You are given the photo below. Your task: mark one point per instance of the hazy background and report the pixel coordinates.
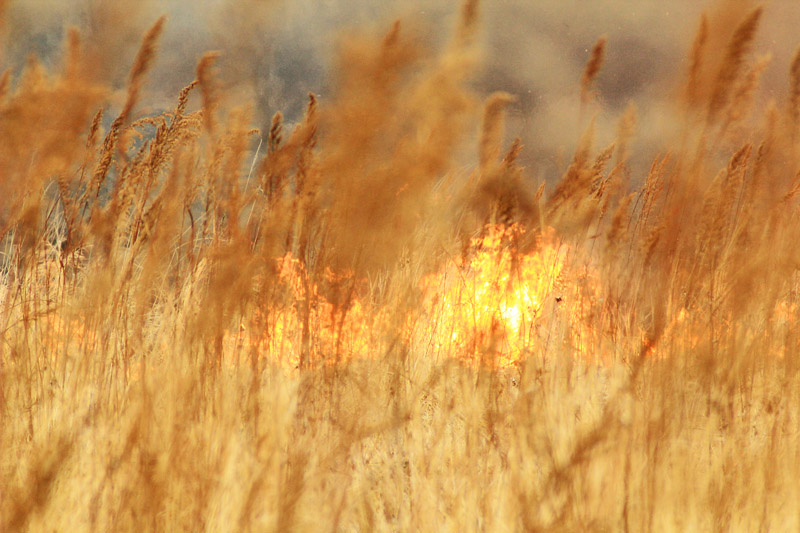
(274, 52)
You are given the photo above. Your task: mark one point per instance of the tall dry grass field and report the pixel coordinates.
(375, 319)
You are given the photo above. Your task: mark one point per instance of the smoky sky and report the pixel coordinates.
(274, 52)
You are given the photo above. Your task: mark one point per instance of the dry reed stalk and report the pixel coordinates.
(742, 99)
(653, 187)
(752, 198)
(626, 129)
(598, 168)
(190, 192)
(682, 338)
(103, 165)
(738, 48)
(305, 155)
(73, 205)
(118, 216)
(593, 66)
(393, 125)
(235, 158)
(510, 159)
(275, 137)
(72, 69)
(210, 186)
(737, 170)
(794, 191)
(275, 225)
(651, 243)
(274, 175)
(537, 198)
(576, 179)
(618, 227)
(794, 95)
(94, 130)
(38, 487)
(696, 62)
(390, 40)
(764, 162)
(139, 70)
(206, 79)
(492, 129)
(306, 187)
(155, 156)
(141, 66)
(5, 83)
(183, 101)
(282, 155)
(467, 23)
(608, 189)
(159, 225)
(720, 207)
(503, 197)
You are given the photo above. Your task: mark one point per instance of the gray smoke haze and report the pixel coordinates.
(274, 52)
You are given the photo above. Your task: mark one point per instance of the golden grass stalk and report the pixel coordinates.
(625, 132)
(696, 56)
(5, 81)
(619, 224)
(592, 69)
(314, 353)
(275, 132)
(141, 65)
(205, 78)
(742, 98)
(794, 94)
(493, 129)
(467, 22)
(737, 50)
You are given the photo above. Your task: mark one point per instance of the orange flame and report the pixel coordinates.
(484, 309)
(479, 310)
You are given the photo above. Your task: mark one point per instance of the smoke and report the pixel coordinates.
(274, 53)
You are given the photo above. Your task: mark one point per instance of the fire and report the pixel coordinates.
(492, 307)
(481, 309)
(306, 322)
(485, 308)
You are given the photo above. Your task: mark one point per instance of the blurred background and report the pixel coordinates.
(274, 52)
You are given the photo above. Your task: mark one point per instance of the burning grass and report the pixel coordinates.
(348, 324)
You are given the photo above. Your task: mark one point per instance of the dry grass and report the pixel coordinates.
(349, 324)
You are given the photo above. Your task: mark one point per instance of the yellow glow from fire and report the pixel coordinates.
(480, 309)
(484, 308)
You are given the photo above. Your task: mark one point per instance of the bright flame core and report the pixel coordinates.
(485, 308)
(481, 309)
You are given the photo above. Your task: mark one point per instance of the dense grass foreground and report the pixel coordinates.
(349, 324)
